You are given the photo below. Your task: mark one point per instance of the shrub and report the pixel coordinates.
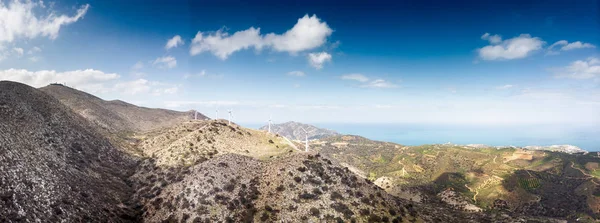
(315, 212)
(343, 209)
(297, 179)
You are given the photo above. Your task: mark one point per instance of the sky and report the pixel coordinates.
(417, 62)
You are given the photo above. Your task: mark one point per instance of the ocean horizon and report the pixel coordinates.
(585, 137)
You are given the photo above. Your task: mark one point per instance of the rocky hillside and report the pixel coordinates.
(54, 166)
(192, 142)
(293, 131)
(539, 183)
(298, 187)
(116, 116)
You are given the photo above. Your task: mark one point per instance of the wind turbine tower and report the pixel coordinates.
(270, 121)
(305, 139)
(195, 115)
(230, 115)
(216, 114)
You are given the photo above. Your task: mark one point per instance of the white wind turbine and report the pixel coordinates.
(195, 115)
(217, 114)
(230, 115)
(270, 121)
(305, 140)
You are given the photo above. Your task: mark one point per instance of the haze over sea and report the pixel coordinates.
(585, 137)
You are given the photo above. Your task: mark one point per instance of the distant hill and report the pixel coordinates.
(116, 116)
(54, 166)
(529, 182)
(292, 130)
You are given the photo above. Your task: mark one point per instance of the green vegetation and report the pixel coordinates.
(529, 183)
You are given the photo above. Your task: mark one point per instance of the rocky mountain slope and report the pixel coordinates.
(59, 165)
(539, 183)
(293, 131)
(54, 166)
(116, 116)
(194, 141)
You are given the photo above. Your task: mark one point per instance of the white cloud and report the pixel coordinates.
(175, 104)
(18, 51)
(33, 50)
(20, 19)
(308, 33)
(380, 83)
(34, 59)
(222, 45)
(514, 48)
(137, 66)
(355, 77)
(174, 42)
(565, 46)
(317, 60)
(504, 87)
(89, 80)
(142, 86)
(165, 62)
(296, 73)
(580, 69)
(494, 39)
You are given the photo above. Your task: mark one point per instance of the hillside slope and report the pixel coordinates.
(293, 131)
(54, 166)
(538, 183)
(194, 141)
(116, 116)
(300, 187)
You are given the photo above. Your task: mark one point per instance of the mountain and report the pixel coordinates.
(54, 166)
(293, 131)
(116, 116)
(528, 182)
(59, 161)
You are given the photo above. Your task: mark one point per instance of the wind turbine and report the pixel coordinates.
(217, 114)
(270, 121)
(195, 115)
(305, 140)
(230, 115)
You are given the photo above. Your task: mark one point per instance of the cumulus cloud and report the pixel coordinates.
(494, 39)
(137, 66)
(23, 19)
(580, 69)
(355, 77)
(514, 48)
(504, 87)
(176, 104)
(308, 33)
(143, 86)
(296, 73)
(317, 60)
(380, 83)
(18, 51)
(174, 42)
(34, 50)
(165, 62)
(563, 45)
(89, 80)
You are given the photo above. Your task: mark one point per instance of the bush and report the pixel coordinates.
(343, 209)
(315, 212)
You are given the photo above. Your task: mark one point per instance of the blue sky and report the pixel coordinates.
(315, 61)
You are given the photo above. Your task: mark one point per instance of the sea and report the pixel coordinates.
(585, 137)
